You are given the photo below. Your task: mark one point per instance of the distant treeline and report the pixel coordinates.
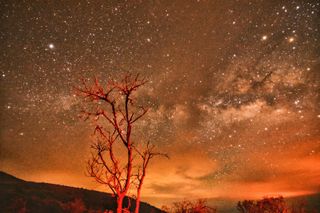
(265, 205)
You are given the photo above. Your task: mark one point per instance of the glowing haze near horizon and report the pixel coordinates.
(233, 91)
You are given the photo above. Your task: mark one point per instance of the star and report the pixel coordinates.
(291, 39)
(51, 46)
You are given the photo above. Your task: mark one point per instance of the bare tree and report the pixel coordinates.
(187, 206)
(146, 156)
(115, 112)
(268, 204)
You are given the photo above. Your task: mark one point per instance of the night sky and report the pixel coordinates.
(233, 91)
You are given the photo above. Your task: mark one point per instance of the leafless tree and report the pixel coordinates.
(146, 156)
(187, 206)
(268, 204)
(115, 112)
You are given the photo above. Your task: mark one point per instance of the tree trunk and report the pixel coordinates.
(137, 202)
(145, 164)
(119, 203)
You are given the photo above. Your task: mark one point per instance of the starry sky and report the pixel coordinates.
(233, 91)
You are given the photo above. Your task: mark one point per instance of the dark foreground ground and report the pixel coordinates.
(17, 195)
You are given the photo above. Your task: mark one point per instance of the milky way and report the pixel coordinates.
(233, 91)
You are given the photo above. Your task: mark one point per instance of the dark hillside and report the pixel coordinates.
(17, 195)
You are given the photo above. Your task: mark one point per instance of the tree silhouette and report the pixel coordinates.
(187, 206)
(115, 112)
(266, 205)
(273, 205)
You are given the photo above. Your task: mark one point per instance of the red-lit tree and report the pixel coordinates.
(115, 112)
